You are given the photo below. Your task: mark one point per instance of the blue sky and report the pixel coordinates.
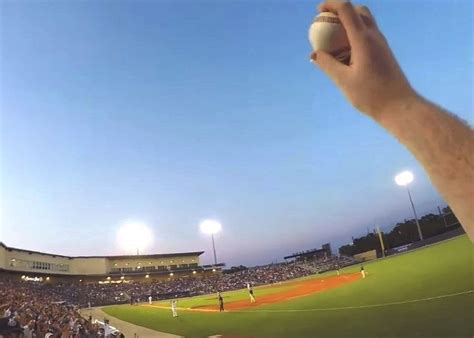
(174, 111)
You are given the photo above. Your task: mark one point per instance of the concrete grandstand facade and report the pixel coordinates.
(49, 267)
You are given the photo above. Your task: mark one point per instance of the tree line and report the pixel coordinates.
(404, 233)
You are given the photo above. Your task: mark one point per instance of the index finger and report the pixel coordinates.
(347, 14)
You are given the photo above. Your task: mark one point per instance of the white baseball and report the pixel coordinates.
(327, 33)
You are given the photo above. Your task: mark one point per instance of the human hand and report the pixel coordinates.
(373, 81)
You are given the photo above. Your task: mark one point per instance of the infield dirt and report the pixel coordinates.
(296, 289)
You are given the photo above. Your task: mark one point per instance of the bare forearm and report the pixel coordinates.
(375, 84)
(444, 145)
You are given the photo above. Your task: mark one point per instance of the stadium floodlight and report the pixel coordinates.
(403, 179)
(211, 227)
(134, 236)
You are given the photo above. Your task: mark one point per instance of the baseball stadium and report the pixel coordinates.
(236, 169)
(423, 291)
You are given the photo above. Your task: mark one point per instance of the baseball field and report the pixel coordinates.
(423, 293)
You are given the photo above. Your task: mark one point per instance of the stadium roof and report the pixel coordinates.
(192, 253)
(305, 253)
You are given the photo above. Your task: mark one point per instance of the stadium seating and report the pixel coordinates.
(54, 307)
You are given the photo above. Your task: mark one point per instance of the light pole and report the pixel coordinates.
(214, 249)
(404, 179)
(211, 227)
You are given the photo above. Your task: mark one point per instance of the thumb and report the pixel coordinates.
(329, 65)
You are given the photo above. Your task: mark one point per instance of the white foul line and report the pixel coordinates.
(364, 306)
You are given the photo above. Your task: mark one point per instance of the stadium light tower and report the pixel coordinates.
(211, 227)
(404, 179)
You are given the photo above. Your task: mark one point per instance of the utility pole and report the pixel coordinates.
(416, 216)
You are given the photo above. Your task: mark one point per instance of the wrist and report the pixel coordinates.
(397, 108)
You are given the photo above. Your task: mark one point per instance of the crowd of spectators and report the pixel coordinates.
(100, 294)
(29, 310)
(36, 309)
(329, 263)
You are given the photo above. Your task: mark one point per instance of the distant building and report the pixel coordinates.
(312, 254)
(327, 247)
(46, 267)
(308, 256)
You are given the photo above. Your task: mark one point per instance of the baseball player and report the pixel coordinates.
(362, 272)
(221, 302)
(173, 308)
(252, 297)
(150, 298)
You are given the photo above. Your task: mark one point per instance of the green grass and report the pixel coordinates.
(441, 269)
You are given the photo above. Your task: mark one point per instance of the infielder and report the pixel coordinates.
(362, 272)
(252, 297)
(221, 302)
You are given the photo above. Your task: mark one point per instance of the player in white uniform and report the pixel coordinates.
(173, 308)
(150, 298)
(252, 297)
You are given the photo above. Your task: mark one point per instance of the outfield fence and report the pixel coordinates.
(425, 242)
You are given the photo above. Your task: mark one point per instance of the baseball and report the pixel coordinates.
(327, 33)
